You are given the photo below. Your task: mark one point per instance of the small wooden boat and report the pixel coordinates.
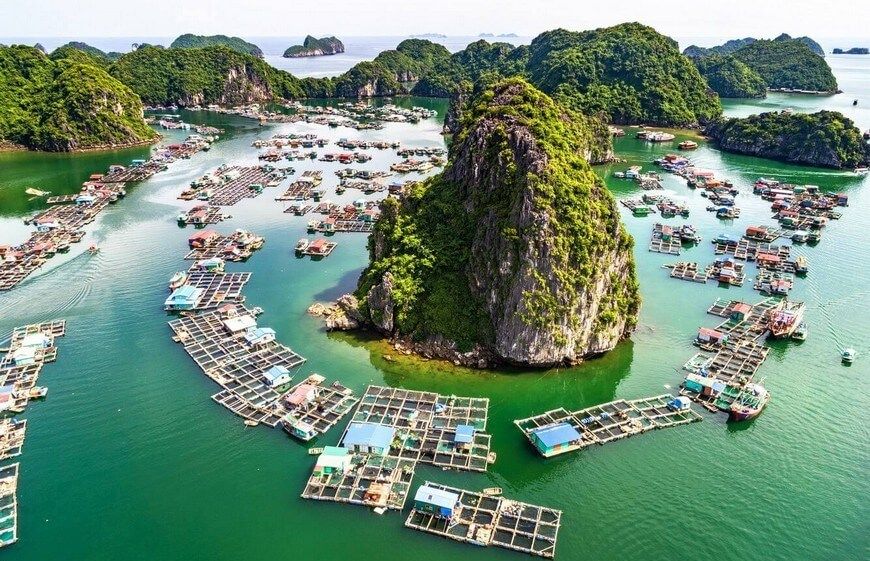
(36, 192)
(93, 249)
(302, 245)
(492, 491)
(251, 423)
(800, 334)
(379, 509)
(315, 451)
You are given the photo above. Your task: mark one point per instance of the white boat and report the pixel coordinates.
(251, 423)
(800, 334)
(302, 245)
(177, 280)
(862, 171)
(848, 355)
(379, 509)
(492, 491)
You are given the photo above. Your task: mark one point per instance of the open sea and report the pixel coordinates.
(129, 459)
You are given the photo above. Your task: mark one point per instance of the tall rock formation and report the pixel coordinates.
(515, 253)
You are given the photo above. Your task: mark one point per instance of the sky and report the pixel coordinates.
(293, 18)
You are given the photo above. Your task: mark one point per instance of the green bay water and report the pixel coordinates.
(128, 458)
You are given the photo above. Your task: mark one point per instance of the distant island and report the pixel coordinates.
(728, 47)
(313, 46)
(430, 36)
(487, 35)
(190, 41)
(853, 51)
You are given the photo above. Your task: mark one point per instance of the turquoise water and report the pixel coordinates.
(128, 458)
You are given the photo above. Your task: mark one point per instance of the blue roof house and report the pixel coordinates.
(556, 439)
(276, 376)
(183, 298)
(368, 438)
(437, 502)
(463, 437)
(259, 336)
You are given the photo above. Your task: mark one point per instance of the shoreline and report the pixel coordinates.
(12, 147)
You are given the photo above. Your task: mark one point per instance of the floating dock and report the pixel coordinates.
(228, 185)
(559, 431)
(485, 520)
(390, 432)
(201, 215)
(665, 239)
(12, 432)
(30, 348)
(687, 271)
(217, 288)
(747, 321)
(8, 505)
(237, 246)
(216, 340)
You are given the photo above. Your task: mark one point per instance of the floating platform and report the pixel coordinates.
(234, 363)
(734, 362)
(202, 215)
(601, 424)
(423, 427)
(229, 185)
(8, 504)
(747, 321)
(217, 288)
(237, 246)
(486, 520)
(30, 348)
(12, 433)
(687, 271)
(665, 239)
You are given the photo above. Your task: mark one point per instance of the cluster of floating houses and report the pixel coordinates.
(228, 185)
(62, 223)
(29, 348)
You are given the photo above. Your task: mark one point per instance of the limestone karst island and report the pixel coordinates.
(391, 280)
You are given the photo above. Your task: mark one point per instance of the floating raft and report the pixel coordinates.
(30, 348)
(12, 433)
(665, 239)
(8, 504)
(735, 361)
(687, 271)
(218, 288)
(202, 215)
(422, 427)
(748, 321)
(486, 520)
(237, 246)
(601, 424)
(229, 185)
(232, 362)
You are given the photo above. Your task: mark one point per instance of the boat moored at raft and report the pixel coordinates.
(750, 403)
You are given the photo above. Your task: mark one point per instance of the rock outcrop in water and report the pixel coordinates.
(313, 46)
(514, 254)
(824, 139)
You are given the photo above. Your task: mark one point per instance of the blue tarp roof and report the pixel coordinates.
(464, 434)
(369, 435)
(275, 372)
(437, 497)
(186, 291)
(562, 433)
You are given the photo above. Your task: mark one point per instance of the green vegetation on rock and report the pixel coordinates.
(517, 241)
(65, 104)
(205, 75)
(729, 77)
(88, 49)
(825, 139)
(190, 41)
(728, 47)
(788, 64)
(313, 46)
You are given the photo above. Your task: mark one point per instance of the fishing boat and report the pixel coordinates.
(782, 322)
(688, 234)
(37, 392)
(799, 236)
(177, 280)
(379, 509)
(800, 334)
(302, 245)
(801, 265)
(93, 249)
(36, 192)
(251, 423)
(848, 355)
(492, 491)
(862, 170)
(749, 403)
(317, 450)
(687, 145)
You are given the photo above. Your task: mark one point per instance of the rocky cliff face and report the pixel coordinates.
(312, 46)
(824, 139)
(515, 253)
